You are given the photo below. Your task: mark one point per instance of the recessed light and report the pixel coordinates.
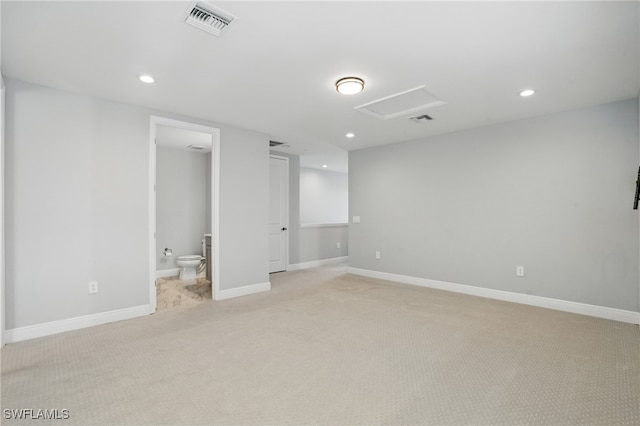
(350, 85)
(350, 135)
(146, 79)
(527, 92)
(324, 166)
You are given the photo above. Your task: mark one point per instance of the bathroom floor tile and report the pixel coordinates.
(172, 292)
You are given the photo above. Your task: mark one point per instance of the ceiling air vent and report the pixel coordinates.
(208, 17)
(194, 147)
(401, 104)
(274, 144)
(421, 118)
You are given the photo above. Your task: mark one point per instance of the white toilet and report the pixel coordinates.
(189, 265)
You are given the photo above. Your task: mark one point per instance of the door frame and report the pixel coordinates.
(215, 201)
(286, 208)
(2, 207)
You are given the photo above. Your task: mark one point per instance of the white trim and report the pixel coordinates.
(164, 273)
(314, 263)
(54, 327)
(215, 199)
(2, 207)
(525, 299)
(243, 291)
(215, 212)
(322, 225)
(152, 215)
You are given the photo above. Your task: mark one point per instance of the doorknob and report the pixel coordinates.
(284, 229)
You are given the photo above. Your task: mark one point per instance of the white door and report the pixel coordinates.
(278, 213)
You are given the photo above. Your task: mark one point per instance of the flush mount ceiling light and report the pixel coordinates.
(324, 166)
(350, 85)
(527, 92)
(147, 79)
(350, 135)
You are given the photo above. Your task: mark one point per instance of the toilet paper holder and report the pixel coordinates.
(167, 252)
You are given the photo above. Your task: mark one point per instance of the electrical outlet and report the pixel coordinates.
(377, 255)
(356, 219)
(93, 287)
(520, 271)
(338, 244)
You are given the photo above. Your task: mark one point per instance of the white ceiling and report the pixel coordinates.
(274, 70)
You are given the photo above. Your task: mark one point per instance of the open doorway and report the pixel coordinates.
(278, 213)
(168, 134)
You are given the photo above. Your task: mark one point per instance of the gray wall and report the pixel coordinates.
(324, 196)
(181, 203)
(319, 242)
(307, 244)
(553, 194)
(77, 204)
(244, 208)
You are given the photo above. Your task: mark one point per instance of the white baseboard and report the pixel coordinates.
(164, 273)
(525, 299)
(54, 327)
(242, 291)
(314, 263)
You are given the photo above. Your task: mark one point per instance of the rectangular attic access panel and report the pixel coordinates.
(401, 104)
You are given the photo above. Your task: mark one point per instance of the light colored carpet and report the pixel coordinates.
(325, 347)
